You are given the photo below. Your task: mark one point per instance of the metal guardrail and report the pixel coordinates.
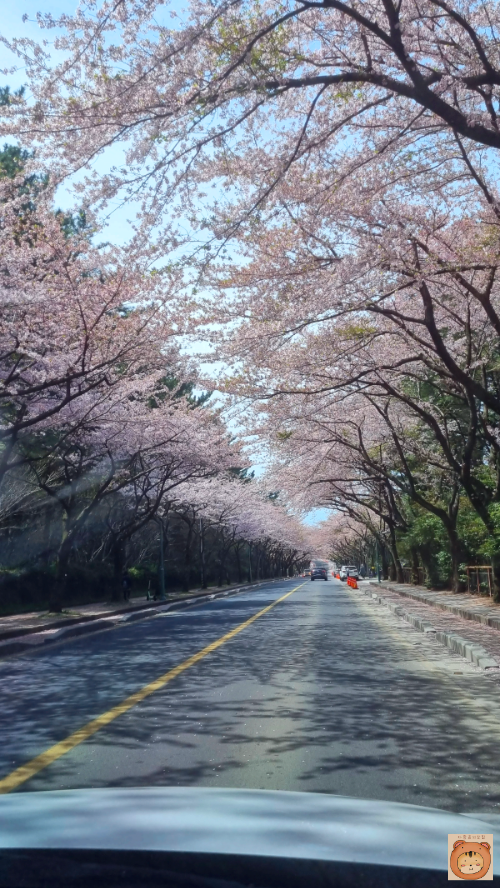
(480, 579)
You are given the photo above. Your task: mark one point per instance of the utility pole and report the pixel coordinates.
(249, 562)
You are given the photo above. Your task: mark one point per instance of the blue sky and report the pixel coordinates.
(315, 516)
(12, 25)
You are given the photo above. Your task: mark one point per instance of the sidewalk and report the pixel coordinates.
(468, 625)
(22, 632)
(24, 624)
(480, 609)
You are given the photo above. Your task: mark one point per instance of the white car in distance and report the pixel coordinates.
(349, 570)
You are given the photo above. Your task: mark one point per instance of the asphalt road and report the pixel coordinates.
(324, 692)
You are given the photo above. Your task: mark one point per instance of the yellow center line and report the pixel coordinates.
(25, 772)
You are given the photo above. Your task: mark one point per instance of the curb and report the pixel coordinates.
(474, 617)
(72, 621)
(41, 638)
(475, 653)
(76, 621)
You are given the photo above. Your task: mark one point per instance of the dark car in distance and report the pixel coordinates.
(319, 573)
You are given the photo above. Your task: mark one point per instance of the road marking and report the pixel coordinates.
(25, 772)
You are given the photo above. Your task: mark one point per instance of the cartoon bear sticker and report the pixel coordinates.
(470, 860)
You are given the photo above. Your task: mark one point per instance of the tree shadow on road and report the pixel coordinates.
(293, 705)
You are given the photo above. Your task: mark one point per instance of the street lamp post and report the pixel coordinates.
(378, 559)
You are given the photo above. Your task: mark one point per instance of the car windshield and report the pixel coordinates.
(250, 399)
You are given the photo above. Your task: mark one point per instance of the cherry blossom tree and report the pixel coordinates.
(354, 154)
(369, 455)
(128, 463)
(345, 540)
(95, 395)
(242, 513)
(80, 328)
(296, 81)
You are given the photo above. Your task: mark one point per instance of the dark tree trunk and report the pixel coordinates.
(395, 568)
(385, 567)
(400, 577)
(430, 569)
(47, 536)
(186, 579)
(495, 565)
(203, 572)
(456, 583)
(238, 563)
(60, 586)
(414, 566)
(222, 568)
(118, 568)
